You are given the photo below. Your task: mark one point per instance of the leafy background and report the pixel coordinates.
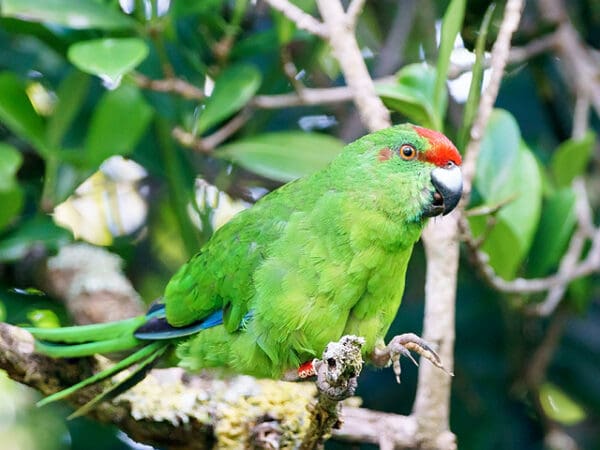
(75, 90)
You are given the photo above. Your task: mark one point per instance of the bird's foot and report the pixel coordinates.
(402, 345)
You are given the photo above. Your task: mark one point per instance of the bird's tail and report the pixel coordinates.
(87, 340)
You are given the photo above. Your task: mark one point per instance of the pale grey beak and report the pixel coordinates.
(447, 182)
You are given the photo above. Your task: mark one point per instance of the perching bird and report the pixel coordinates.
(321, 257)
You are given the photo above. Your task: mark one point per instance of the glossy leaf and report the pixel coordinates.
(109, 58)
(559, 406)
(283, 156)
(508, 171)
(412, 95)
(80, 14)
(71, 94)
(451, 25)
(571, 158)
(498, 156)
(233, 89)
(18, 114)
(556, 226)
(119, 121)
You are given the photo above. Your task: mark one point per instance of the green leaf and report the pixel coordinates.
(498, 156)
(18, 114)
(283, 156)
(80, 14)
(507, 170)
(556, 226)
(43, 318)
(35, 232)
(412, 95)
(451, 25)
(12, 204)
(109, 58)
(559, 406)
(521, 216)
(119, 121)
(571, 158)
(233, 89)
(182, 8)
(10, 161)
(11, 194)
(71, 94)
(477, 78)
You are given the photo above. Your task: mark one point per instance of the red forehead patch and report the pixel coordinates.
(442, 150)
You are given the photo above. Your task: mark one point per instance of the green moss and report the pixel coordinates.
(232, 406)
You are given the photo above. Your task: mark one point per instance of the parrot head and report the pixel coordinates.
(411, 166)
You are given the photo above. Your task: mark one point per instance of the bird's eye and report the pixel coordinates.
(407, 152)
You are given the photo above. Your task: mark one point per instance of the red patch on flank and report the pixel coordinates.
(384, 154)
(306, 370)
(442, 150)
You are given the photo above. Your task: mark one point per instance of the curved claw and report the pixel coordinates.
(402, 345)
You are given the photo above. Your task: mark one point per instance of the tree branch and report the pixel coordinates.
(91, 283)
(337, 375)
(345, 48)
(432, 404)
(172, 409)
(441, 237)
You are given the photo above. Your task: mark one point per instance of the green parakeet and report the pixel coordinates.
(319, 258)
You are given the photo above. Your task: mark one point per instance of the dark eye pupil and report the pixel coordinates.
(407, 151)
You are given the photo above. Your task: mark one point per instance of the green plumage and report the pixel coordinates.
(321, 257)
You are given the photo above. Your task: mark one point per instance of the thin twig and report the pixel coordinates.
(540, 359)
(309, 97)
(169, 85)
(591, 264)
(517, 55)
(569, 262)
(291, 71)
(212, 141)
(209, 143)
(499, 58)
(533, 48)
(581, 113)
(353, 12)
(302, 20)
(577, 60)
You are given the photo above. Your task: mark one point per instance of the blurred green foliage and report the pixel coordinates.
(72, 95)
